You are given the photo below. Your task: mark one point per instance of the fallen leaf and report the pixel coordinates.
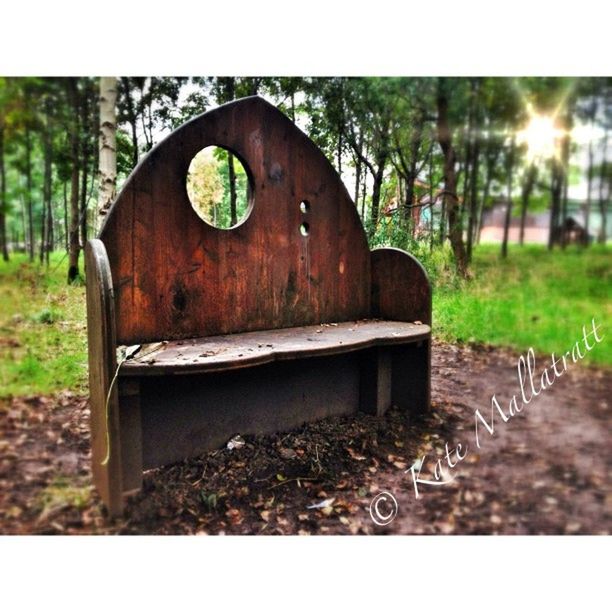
(326, 503)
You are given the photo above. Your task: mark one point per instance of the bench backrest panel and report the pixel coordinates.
(175, 276)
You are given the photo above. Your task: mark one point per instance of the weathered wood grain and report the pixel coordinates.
(101, 340)
(176, 277)
(234, 351)
(400, 287)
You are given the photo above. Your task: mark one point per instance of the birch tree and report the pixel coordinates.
(107, 169)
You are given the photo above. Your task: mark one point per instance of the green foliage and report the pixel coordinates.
(47, 315)
(43, 343)
(534, 298)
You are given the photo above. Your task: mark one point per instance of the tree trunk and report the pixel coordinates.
(132, 118)
(491, 160)
(339, 153)
(3, 237)
(28, 195)
(363, 197)
(431, 204)
(564, 211)
(85, 158)
(50, 233)
(358, 165)
(530, 179)
(587, 212)
(455, 231)
(603, 199)
(73, 240)
(66, 242)
(409, 201)
(47, 184)
(565, 159)
(107, 160)
(83, 196)
(374, 211)
(232, 186)
(474, 160)
(510, 172)
(556, 186)
(466, 184)
(473, 203)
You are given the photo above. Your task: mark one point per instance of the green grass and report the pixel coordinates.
(534, 298)
(43, 346)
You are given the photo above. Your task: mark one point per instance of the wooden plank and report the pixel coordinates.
(400, 287)
(376, 379)
(178, 277)
(131, 435)
(102, 366)
(198, 413)
(220, 353)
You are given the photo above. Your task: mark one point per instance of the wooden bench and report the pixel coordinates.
(254, 329)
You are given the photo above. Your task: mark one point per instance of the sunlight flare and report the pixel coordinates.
(541, 137)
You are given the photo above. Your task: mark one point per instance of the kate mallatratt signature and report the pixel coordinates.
(383, 508)
(531, 385)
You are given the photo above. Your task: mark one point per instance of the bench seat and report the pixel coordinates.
(242, 350)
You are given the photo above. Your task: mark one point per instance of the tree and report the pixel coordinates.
(412, 138)
(510, 164)
(451, 200)
(364, 109)
(108, 144)
(6, 101)
(529, 182)
(73, 238)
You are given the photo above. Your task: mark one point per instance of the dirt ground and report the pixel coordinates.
(546, 471)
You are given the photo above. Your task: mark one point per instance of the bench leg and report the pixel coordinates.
(376, 374)
(411, 377)
(107, 477)
(131, 437)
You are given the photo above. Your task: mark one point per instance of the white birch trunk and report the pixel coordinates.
(107, 169)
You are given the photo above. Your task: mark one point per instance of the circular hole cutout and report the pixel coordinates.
(304, 229)
(210, 177)
(304, 206)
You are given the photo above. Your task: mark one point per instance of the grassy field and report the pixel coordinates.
(43, 336)
(534, 298)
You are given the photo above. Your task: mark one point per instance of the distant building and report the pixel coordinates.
(537, 224)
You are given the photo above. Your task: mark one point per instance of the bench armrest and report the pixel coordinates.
(101, 338)
(400, 287)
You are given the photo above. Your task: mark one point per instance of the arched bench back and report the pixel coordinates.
(175, 276)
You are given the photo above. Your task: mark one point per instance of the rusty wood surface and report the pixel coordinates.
(400, 287)
(176, 277)
(229, 352)
(102, 366)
